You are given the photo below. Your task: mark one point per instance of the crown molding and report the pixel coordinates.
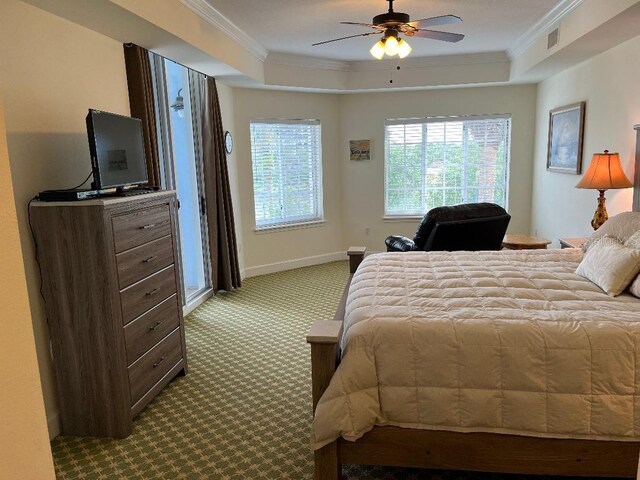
(291, 60)
(542, 26)
(217, 20)
(280, 58)
(425, 62)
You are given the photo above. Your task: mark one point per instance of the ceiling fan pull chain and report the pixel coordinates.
(397, 68)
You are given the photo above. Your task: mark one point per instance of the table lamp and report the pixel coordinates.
(604, 173)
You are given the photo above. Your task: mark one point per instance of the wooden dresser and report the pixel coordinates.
(113, 304)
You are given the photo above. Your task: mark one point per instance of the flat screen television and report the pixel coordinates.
(117, 150)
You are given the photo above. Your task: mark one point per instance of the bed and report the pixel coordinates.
(531, 369)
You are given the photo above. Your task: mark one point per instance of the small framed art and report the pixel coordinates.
(566, 132)
(360, 149)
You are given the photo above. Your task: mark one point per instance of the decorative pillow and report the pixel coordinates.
(621, 226)
(634, 242)
(610, 265)
(634, 288)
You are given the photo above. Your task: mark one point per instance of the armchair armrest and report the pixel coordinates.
(398, 243)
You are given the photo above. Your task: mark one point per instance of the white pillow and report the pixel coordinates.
(634, 288)
(610, 265)
(621, 226)
(634, 242)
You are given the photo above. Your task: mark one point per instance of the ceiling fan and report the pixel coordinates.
(392, 24)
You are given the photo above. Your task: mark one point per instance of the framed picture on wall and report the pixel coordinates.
(566, 131)
(360, 150)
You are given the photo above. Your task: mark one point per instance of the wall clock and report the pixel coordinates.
(228, 142)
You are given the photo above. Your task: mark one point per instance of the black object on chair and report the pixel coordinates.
(470, 226)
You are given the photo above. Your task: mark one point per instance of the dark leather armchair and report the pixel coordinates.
(470, 226)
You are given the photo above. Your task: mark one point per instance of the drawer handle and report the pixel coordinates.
(150, 259)
(152, 225)
(159, 362)
(148, 294)
(153, 327)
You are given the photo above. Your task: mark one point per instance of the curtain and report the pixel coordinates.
(141, 101)
(225, 269)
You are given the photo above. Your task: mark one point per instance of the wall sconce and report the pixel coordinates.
(178, 105)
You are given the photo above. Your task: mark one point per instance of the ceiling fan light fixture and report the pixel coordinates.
(378, 50)
(404, 48)
(393, 24)
(391, 46)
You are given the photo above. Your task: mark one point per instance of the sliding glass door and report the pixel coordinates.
(178, 100)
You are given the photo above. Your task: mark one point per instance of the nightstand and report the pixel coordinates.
(524, 242)
(576, 242)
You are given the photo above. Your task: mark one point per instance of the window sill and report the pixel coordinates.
(402, 218)
(290, 226)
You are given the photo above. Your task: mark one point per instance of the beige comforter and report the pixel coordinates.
(509, 342)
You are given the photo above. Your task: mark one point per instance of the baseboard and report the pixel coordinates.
(53, 424)
(291, 264)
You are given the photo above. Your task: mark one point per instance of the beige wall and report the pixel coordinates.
(363, 116)
(354, 191)
(608, 83)
(280, 246)
(24, 446)
(57, 70)
(53, 71)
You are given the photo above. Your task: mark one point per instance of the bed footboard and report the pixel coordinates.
(324, 337)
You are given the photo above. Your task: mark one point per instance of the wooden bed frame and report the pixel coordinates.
(484, 452)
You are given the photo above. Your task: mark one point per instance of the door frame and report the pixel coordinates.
(167, 167)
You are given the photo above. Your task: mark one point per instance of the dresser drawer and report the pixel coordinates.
(142, 226)
(142, 261)
(141, 296)
(154, 364)
(145, 331)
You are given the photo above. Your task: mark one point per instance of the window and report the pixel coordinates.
(287, 179)
(435, 162)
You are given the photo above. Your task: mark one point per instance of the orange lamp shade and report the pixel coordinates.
(605, 172)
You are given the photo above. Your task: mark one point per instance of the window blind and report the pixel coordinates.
(445, 161)
(287, 178)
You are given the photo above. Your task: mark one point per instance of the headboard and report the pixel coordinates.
(636, 183)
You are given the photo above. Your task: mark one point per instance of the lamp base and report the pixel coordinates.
(600, 216)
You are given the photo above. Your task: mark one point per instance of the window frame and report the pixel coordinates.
(440, 119)
(319, 218)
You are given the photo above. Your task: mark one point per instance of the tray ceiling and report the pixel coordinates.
(291, 26)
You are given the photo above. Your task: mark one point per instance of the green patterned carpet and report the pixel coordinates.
(244, 409)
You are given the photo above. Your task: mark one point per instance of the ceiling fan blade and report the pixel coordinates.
(436, 35)
(344, 38)
(370, 25)
(433, 21)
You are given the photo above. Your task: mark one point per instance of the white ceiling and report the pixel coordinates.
(291, 26)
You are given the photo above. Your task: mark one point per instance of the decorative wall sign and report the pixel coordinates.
(566, 130)
(360, 149)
